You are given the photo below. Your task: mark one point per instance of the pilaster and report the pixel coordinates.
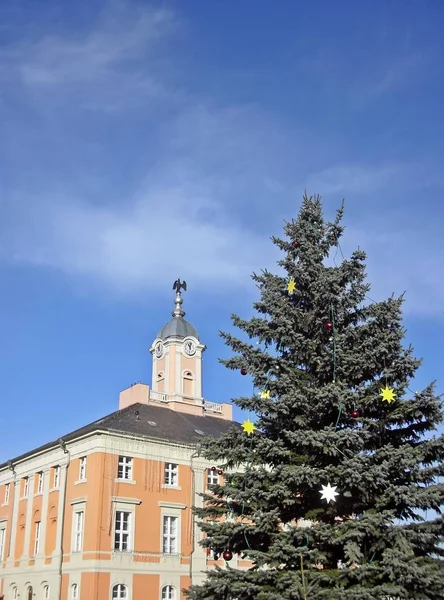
(61, 509)
(198, 375)
(46, 485)
(167, 369)
(178, 368)
(14, 522)
(29, 523)
(199, 558)
(154, 386)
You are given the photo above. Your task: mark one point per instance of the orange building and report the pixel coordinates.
(104, 513)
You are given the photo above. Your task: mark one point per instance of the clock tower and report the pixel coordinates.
(177, 358)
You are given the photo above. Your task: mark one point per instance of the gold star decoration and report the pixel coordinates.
(265, 395)
(248, 427)
(388, 394)
(291, 286)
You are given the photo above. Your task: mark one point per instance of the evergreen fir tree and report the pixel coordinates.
(335, 409)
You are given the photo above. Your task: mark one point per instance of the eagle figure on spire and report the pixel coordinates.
(179, 285)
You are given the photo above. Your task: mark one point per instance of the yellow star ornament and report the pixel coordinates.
(388, 394)
(265, 395)
(248, 427)
(291, 286)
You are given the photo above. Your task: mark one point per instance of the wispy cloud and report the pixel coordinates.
(164, 231)
(213, 180)
(361, 78)
(391, 76)
(355, 178)
(401, 260)
(109, 67)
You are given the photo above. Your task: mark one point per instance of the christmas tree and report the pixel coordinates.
(326, 492)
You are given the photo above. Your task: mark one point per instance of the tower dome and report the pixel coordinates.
(178, 326)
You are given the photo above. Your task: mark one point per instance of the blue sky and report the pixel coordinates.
(145, 140)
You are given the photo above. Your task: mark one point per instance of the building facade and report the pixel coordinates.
(105, 511)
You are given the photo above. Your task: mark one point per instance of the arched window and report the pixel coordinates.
(29, 593)
(188, 383)
(161, 382)
(120, 592)
(46, 592)
(14, 592)
(168, 593)
(74, 592)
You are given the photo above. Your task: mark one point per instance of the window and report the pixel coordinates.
(37, 537)
(74, 592)
(188, 384)
(168, 593)
(122, 531)
(2, 542)
(125, 468)
(56, 477)
(170, 535)
(171, 474)
(25, 487)
(78, 531)
(120, 592)
(82, 469)
(39, 483)
(14, 593)
(7, 492)
(212, 477)
(46, 592)
(30, 592)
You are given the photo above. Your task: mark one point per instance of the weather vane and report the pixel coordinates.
(179, 285)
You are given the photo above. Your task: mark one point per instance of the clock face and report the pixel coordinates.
(189, 347)
(158, 349)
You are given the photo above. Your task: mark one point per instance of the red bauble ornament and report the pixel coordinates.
(228, 555)
(220, 472)
(328, 326)
(244, 371)
(213, 469)
(355, 414)
(216, 556)
(296, 244)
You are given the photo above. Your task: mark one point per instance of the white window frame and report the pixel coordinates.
(7, 493)
(129, 531)
(74, 591)
(168, 592)
(78, 529)
(171, 475)
(38, 531)
(167, 534)
(56, 477)
(2, 540)
(126, 464)
(14, 592)
(82, 469)
(212, 477)
(46, 592)
(26, 487)
(122, 592)
(40, 482)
